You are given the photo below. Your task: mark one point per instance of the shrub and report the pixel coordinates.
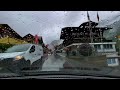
(74, 53)
(85, 49)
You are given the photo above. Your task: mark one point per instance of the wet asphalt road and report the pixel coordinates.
(58, 62)
(53, 63)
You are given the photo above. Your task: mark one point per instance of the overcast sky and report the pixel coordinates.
(48, 24)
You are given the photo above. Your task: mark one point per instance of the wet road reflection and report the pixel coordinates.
(58, 62)
(53, 63)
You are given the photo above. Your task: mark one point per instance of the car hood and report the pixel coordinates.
(10, 55)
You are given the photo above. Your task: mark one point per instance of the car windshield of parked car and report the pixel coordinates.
(18, 48)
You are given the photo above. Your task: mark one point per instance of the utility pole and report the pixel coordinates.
(101, 33)
(90, 29)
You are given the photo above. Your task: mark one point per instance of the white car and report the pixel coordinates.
(22, 56)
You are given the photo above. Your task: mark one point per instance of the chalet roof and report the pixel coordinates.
(89, 22)
(4, 25)
(82, 31)
(28, 35)
(6, 28)
(31, 37)
(84, 26)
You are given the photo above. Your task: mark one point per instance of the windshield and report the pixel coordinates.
(67, 42)
(18, 48)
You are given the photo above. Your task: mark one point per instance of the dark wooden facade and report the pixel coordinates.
(83, 33)
(6, 30)
(29, 38)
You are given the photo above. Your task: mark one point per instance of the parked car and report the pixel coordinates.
(22, 56)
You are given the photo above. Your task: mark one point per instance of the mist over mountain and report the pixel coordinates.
(115, 25)
(112, 22)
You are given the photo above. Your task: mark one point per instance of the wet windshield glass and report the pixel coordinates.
(82, 42)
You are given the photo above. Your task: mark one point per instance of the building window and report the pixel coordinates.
(111, 61)
(97, 46)
(107, 46)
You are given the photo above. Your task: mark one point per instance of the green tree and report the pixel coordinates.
(85, 49)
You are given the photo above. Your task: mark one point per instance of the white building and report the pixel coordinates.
(108, 49)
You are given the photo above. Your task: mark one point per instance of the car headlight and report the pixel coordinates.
(18, 57)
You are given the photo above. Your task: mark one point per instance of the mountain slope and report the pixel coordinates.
(110, 34)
